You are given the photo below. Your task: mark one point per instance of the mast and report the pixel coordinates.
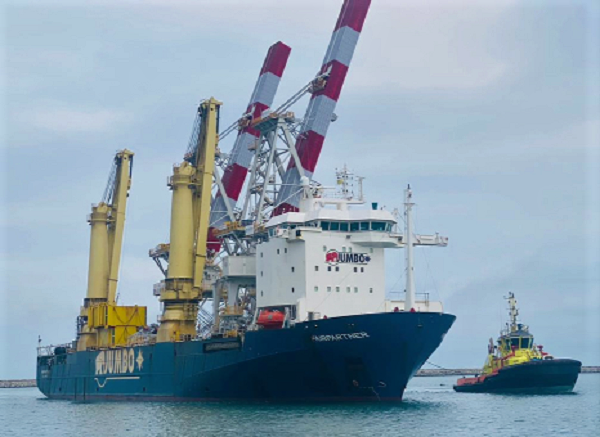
(513, 312)
(409, 244)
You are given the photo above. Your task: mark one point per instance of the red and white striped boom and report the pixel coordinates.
(240, 159)
(322, 103)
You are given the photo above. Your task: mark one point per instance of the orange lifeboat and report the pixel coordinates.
(270, 319)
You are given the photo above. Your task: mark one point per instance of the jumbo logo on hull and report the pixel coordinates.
(118, 361)
(333, 257)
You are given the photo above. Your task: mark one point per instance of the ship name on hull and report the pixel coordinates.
(340, 337)
(118, 361)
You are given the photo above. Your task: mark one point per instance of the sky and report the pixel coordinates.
(489, 109)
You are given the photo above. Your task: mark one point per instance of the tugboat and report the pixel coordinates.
(517, 365)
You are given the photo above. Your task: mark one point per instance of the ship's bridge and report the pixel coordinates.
(364, 227)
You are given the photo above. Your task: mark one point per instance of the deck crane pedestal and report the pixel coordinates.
(103, 323)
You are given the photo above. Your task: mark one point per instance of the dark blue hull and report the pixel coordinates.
(538, 376)
(363, 357)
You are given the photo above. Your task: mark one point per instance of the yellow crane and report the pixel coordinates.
(191, 184)
(102, 323)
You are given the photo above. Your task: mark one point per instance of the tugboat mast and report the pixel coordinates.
(410, 279)
(513, 311)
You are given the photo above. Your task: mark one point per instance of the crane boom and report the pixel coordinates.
(205, 168)
(116, 223)
(235, 173)
(319, 113)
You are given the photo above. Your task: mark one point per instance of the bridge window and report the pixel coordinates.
(344, 226)
(378, 226)
(526, 343)
(325, 226)
(335, 226)
(364, 226)
(354, 226)
(514, 342)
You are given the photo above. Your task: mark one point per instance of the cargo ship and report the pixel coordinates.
(274, 287)
(517, 365)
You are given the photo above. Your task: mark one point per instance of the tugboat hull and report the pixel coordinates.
(537, 376)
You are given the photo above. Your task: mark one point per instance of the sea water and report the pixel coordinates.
(431, 408)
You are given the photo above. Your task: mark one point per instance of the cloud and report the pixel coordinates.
(75, 121)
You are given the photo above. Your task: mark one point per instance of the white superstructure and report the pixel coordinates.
(328, 260)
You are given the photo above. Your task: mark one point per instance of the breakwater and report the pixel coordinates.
(17, 383)
(467, 372)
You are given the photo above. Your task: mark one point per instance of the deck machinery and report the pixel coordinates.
(103, 323)
(296, 277)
